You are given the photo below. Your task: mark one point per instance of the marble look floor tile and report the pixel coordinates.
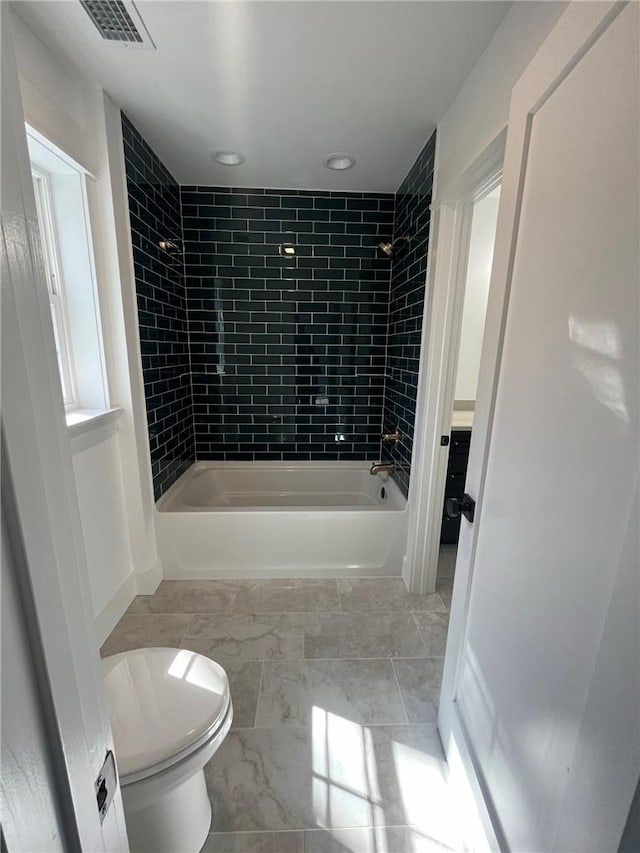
(420, 680)
(361, 635)
(178, 596)
(371, 839)
(137, 631)
(376, 776)
(433, 627)
(292, 595)
(333, 774)
(261, 780)
(255, 842)
(293, 693)
(367, 594)
(411, 773)
(244, 684)
(263, 637)
(444, 588)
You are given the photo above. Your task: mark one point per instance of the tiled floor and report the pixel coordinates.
(335, 687)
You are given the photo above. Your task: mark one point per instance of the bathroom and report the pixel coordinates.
(264, 240)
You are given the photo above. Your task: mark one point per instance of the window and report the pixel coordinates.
(55, 287)
(61, 188)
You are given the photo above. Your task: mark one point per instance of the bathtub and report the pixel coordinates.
(281, 519)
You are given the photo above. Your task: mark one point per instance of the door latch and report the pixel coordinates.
(106, 785)
(455, 507)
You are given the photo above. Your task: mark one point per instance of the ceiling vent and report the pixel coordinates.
(118, 22)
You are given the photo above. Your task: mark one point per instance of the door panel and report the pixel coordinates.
(27, 781)
(563, 468)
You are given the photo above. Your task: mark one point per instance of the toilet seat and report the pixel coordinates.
(164, 704)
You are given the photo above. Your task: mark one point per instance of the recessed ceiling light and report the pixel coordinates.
(228, 158)
(339, 162)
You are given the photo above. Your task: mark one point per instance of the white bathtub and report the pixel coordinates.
(281, 519)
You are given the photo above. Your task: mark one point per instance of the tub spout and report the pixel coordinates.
(382, 468)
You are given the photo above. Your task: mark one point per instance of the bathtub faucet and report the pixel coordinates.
(382, 468)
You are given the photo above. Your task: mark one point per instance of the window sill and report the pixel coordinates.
(88, 427)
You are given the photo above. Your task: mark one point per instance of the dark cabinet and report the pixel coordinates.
(454, 487)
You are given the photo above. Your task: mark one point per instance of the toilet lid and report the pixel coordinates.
(161, 701)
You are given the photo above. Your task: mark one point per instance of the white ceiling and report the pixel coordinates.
(285, 83)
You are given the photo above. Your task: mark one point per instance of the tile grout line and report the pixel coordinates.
(311, 829)
(420, 634)
(404, 704)
(350, 658)
(265, 613)
(186, 630)
(307, 727)
(255, 716)
(301, 832)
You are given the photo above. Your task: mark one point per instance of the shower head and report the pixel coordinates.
(388, 248)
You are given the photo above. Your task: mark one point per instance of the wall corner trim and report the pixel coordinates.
(147, 582)
(113, 611)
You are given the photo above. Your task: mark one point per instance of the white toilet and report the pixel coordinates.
(170, 710)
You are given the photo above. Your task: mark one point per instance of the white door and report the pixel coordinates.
(542, 674)
(55, 726)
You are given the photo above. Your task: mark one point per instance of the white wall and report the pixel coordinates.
(98, 474)
(113, 477)
(476, 294)
(481, 108)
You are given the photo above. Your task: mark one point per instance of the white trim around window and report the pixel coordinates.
(67, 248)
(55, 287)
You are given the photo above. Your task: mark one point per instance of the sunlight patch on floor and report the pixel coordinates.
(348, 800)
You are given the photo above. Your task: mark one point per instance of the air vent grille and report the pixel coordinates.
(114, 21)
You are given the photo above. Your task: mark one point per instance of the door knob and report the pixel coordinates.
(455, 507)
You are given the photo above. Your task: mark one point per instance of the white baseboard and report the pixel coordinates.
(148, 582)
(109, 616)
(262, 573)
(137, 583)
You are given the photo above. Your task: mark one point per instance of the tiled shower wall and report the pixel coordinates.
(406, 309)
(154, 210)
(250, 355)
(288, 356)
